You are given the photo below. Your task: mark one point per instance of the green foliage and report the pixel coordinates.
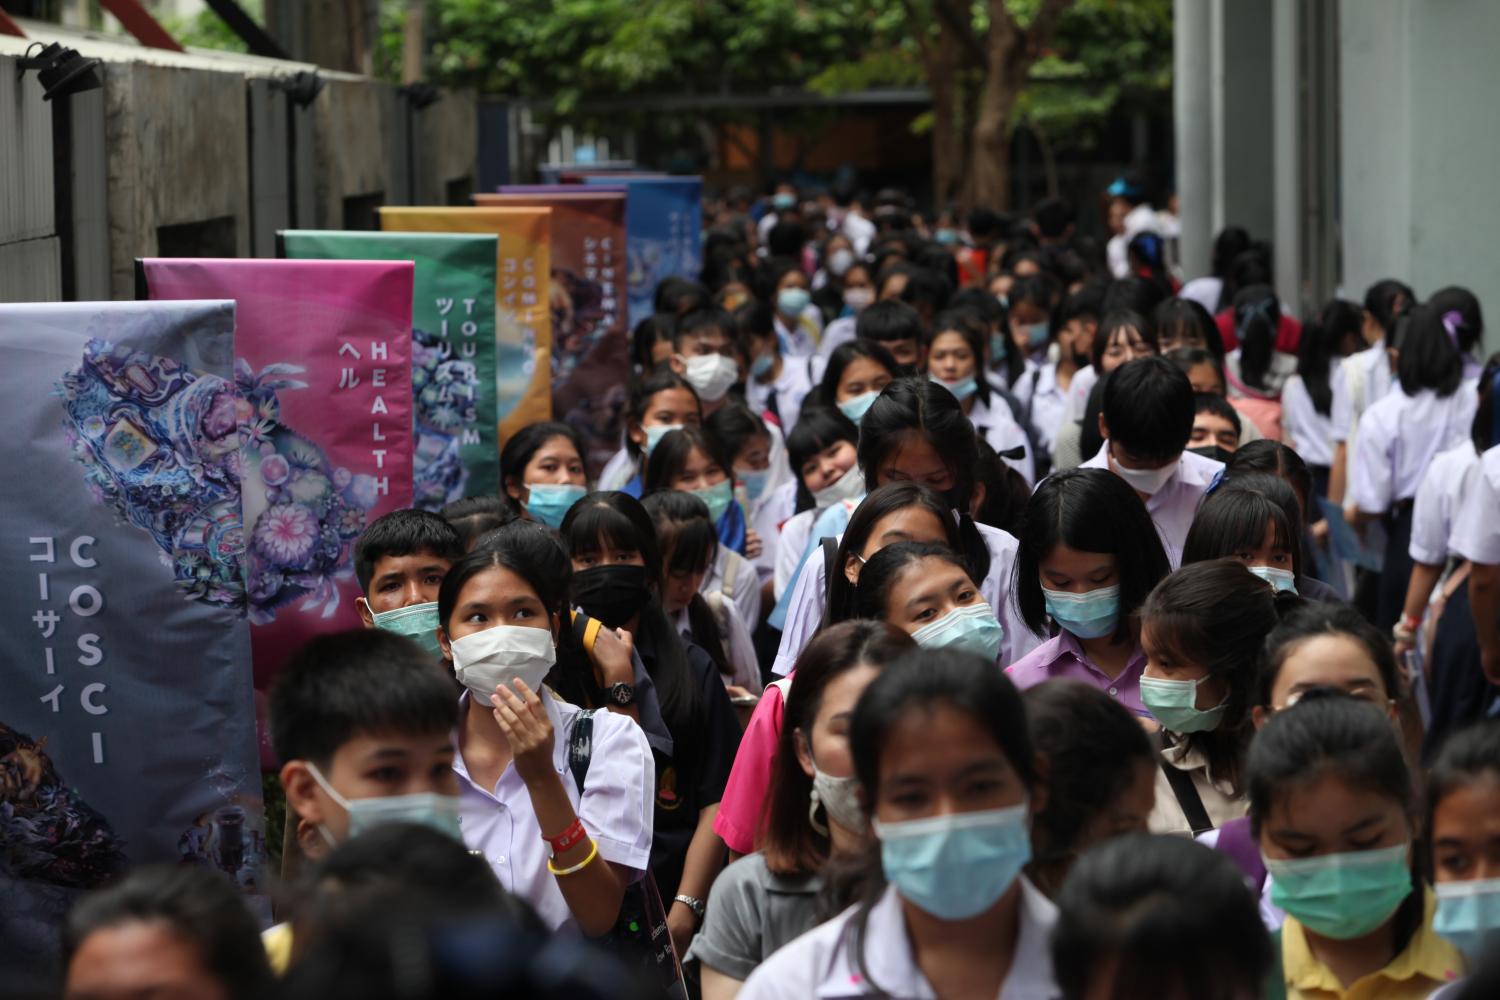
(206, 30)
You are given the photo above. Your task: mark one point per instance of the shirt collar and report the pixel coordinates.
(1068, 645)
(1427, 955)
(561, 728)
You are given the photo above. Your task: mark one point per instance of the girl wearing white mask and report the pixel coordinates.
(1088, 558)
(948, 773)
(766, 899)
(569, 853)
(777, 382)
(859, 293)
(660, 402)
(821, 451)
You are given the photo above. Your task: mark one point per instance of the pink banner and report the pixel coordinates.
(322, 358)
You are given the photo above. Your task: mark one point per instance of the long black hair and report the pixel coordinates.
(1312, 620)
(618, 520)
(671, 454)
(915, 406)
(1320, 344)
(1114, 322)
(689, 543)
(971, 326)
(826, 392)
(1090, 510)
(1187, 316)
(886, 567)
(638, 400)
(881, 503)
(1257, 313)
(818, 428)
(1484, 432)
(1386, 300)
(730, 428)
(1217, 615)
(1430, 355)
(523, 445)
(1233, 519)
(1468, 757)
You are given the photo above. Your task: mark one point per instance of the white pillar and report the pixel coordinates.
(1193, 130)
(1286, 163)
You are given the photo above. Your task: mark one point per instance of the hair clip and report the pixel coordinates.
(1453, 321)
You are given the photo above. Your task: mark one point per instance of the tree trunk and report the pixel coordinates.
(947, 131)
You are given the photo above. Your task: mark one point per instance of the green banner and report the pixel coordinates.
(456, 453)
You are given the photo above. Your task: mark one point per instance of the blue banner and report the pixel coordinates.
(663, 232)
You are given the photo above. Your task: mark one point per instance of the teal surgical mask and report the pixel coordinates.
(1036, 334)
(856, 408)
(718, 499)
(754, 481)
(1279, 579)
(418, 622)
(962, 389)
(1090, 615)
(955, 866)
(550, 502)
(791, 301)
(440, 812)
(656, 432)
(972, 628)
(762, 365)
(1468, 915)
(783, 202)
(1174, 705)
(1342, 896)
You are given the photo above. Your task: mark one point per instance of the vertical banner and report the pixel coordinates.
(590, 336)
(664, 231)
(322, 357)
(455, 453)
(523, 327)
(127, 718)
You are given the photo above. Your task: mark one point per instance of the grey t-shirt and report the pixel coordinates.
(751, 913)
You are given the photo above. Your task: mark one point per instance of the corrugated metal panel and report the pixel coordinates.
(26, 210)
(90, 197)
(270, 192)
(31, 271)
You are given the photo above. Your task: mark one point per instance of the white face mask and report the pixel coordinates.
(840, 261)
(858, 298)
(710, 375)
(1146, 481)
(486, 660)
(848, 486)
(840, 797)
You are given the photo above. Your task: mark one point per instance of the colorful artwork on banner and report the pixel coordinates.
(663, 229)
(127, 727)
(523, 326)
(323, 371)
(590, 335)
(455, 453)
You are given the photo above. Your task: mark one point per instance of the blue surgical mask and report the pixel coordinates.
(1468, 915)
(1279, 579)
(955, 866)
(418, 622)
(856, 408)
(550, 502)
(997, 348)
(1036, 334)
(1342, 896)
(440, 812)
(656, 432)
(783, 201)
(754, 481)
(972, 628)
(962, 389)
(762, 365)
(791, 301)
(718, 499)
(1090, 615)
(1175, 705)
(946, 237)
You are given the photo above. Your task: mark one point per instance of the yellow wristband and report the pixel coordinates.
(593, 853)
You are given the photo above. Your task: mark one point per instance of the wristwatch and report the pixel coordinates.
(622, 694)
(698, 906)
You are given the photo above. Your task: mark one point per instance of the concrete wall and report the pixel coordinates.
(354, 125)
(29, 246)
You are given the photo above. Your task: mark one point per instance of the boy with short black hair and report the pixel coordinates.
(898, 328)
(400, 561)
(704, 349)
(1146, 421)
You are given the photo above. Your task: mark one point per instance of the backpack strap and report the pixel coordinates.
(731, 570)
(1186, 794)
(581, 747)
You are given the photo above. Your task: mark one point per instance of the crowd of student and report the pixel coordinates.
(962, 616)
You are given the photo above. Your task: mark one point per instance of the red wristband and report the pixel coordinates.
(571, 837)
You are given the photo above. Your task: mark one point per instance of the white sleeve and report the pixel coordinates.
(1429, 528)
(745, 589)
(740, 649)
(791, 548)
(1341, 413)
(1370, 475)
(619, 799)
(804, 614)
(1476, 530)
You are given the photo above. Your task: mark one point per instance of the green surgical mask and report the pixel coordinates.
(1342, 896)
(418, 622)
(1175, 705)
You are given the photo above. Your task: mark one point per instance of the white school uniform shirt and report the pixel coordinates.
(619, 470)
(734, 635)
(1083, 383)
(1398, 438)
(1004, 434)
(1308, 432)
(616, 808)
(1438, 499)
(792, 547)
(1205, 291)
(840, 331)
(1172, 507)
(1476, 532)
(1048, 405)
(821, 964)
(743, 582)
(789, 388)
(810, 597)
(801, 337)
(1362, 380)
(775, 507)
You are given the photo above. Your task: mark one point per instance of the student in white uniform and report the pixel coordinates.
(1044, 393)
(859, 294)
(1121, 336)
(758, 468)
(657, 404)
(799, 324)
(914, 433)
(1153, 916)
(1307, 396)
(1476, 537)
(826, 469)
(777, 382)
(1400, 435)
(955, 352)
(1364, 377)
(1463, 796)
(1147, 421)
(947, 769)
(1208, 291)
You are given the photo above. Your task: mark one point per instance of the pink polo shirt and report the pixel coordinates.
(744, 799)
(1062, 656)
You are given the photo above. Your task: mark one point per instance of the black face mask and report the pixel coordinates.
(612, 594)
(1214, 452)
